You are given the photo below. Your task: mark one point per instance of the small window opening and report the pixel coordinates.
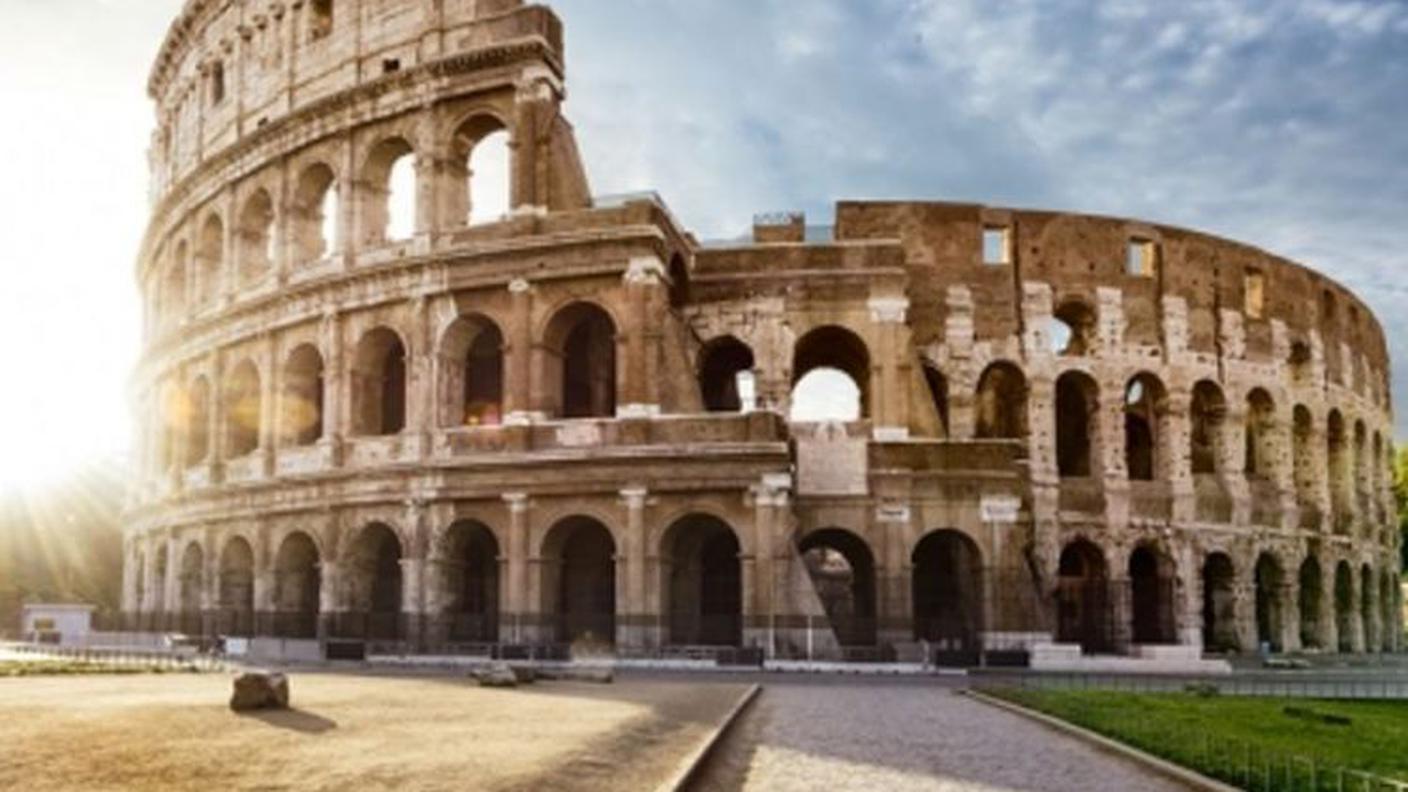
(1255, 295)
(390, 65)
(1141, 258)
(997, 245)
(320, 23)
(217, 83)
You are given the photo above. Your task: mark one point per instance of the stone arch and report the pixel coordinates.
(1152, 593)
(1340, 470)
(831, 348)
(243, 408)
(379, 382)
(1002, 402)
(301, 418)
(948, 593)
(1220, 603)
(1208, 414)
(1310, 599)
(1074, 332)
(701, 579)
(1346, 613)
(384, 177)
(937, 385)
(1270, 582)
(842, 570)
(236, 587)
(210, 258)
(298, 586)
(1083, 607)
(197, 429)
(724, 365)
(470, 582)
(1145, 446)
(255, 237)
(315, 209)
(579, 580)
(480, 168)
(190, 591)
(374, 585)
(1261, 440)
(472, 373)
(1077, 424)
(579, 375)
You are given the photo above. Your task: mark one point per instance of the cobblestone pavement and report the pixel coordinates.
(837, 736)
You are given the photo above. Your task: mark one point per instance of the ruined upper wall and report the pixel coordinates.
(229, 68)
(1077, 255)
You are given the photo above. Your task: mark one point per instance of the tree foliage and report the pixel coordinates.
(1400, 491)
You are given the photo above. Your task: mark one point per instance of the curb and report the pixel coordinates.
(689, 769)
(1163, 767)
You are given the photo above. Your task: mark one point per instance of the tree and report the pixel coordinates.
(1400, 491)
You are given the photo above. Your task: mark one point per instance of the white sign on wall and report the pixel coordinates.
(1000, 508)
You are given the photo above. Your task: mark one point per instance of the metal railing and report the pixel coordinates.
(1354, 687)
(126, 658)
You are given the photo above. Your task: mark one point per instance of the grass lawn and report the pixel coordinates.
(1212, 733)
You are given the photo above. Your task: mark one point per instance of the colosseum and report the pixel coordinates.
(385, 409)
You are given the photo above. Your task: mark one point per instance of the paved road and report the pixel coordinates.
(873, 737)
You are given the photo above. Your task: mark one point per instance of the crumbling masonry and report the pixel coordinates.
(443, 432)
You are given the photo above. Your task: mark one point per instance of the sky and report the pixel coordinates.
(1284, 124)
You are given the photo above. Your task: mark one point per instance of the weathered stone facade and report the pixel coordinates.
(529, 430)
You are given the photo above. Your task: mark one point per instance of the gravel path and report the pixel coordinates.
(903, 736)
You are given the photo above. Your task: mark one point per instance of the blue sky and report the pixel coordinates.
(1280, 123)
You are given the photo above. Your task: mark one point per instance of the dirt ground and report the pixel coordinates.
(175, 732)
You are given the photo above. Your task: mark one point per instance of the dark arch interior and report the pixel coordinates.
(584, 338)
(1076, 403)
(1268, 606)
(1344, 606)
(705, 583)
(374, 568)
(1143, 408)
(297, 587)
(1002, 403)
(720, 364)
(1219, 604)
(1310, 599)
(473, 583)
(1151, 584)
(303, 397)
(842, 571)
(237, 588)
(948, 592)
(585, 599)
(1208, 411)
(380, 379)
(1083, 599)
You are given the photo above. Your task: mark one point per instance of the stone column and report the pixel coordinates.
(638, 395)
(268, 399)
(329, 602)
(889, 398)
(349, 198)
(215, 434)
(1179, 427)
(420, 401)
(335, 394)
(632, 621)
(1329, 623)
(1232, 461)
(896, 606)
(520, 618)
(1372, 640)
(1356, 621)
(518, 356)
(1244, 603)
(771, 505)
(1289, 596)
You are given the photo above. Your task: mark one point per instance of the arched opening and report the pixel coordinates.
(1303, 453)
(302, 413)
(472, 583)
(1077, 422)
(190, 589)
(237, 588)
(1151, 590)
(1261, 434)
(1299, 363)
(1269, 583)
(580, 581)
(726, 375)
(480, 164)
(1083, 613)
(1367, 590)
(948, 595)
(298, 586)
(197, 427)
(842, 570)
(1208, 412)
(1002, 403)
(703, 579)
(472, 371)
(1337, 443)
(320, 19)
(938, 394)
(1219, 604)
(1145, 404)
(373, 568)
(210, 258)
(243, 405)
(389, 190)
(1310, 600)
(315, 210)
(581, 349)
(379, 384)
(256, 238)
(1073, 328)
(1345, 613)
(822, 363)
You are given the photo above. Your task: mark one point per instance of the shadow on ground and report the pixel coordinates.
(293, 720)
